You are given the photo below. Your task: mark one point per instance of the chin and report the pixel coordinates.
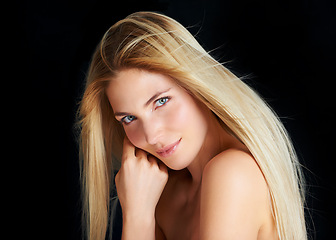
(176, 164)
(176, 168)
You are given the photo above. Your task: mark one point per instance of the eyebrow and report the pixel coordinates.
(155, 96)
(145, 105)
(122, 114)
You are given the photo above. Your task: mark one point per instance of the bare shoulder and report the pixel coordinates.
(237, 172)
(233, 164)
(234, 197)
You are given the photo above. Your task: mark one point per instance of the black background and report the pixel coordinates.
(283, 49)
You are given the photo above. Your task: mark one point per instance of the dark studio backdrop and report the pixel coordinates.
(283, 49)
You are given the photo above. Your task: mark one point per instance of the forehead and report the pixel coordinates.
(133, 85)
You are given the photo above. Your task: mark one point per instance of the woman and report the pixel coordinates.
(202, 155)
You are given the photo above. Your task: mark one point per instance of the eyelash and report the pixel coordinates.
(163, 98)
(123, 120)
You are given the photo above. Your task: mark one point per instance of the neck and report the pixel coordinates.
(216, 141)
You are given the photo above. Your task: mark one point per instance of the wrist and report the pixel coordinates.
(138, 227)
(138, 217)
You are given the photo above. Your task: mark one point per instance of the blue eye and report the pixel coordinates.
(162, 101)
(128, 119)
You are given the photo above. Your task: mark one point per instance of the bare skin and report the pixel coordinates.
(214, 188)
(181, 209)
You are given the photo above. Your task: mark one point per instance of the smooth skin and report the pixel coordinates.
(140, 178)
(182, 175)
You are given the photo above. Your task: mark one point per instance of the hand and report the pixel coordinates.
(140, 181)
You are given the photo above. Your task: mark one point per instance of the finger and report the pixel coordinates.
(162, 166)
(139, 153)
(151, 159)
(128, 149)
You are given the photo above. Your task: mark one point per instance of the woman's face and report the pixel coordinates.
(158, 116)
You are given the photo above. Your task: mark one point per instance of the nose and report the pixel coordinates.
(152, 131)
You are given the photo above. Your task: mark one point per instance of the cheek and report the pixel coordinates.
(187, 117)
(177, 118)
(134, 135)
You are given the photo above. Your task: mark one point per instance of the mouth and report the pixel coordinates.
(167, 151)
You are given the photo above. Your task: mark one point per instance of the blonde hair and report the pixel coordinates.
(157, 43)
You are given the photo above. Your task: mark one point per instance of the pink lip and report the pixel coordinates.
(168, 150)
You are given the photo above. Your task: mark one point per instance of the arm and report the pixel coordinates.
(140, 182)
(234, 197)
(138, 227)
(142, 228)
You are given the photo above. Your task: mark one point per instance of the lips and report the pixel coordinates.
(168, 150)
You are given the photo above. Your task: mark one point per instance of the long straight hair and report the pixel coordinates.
(157, 43)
